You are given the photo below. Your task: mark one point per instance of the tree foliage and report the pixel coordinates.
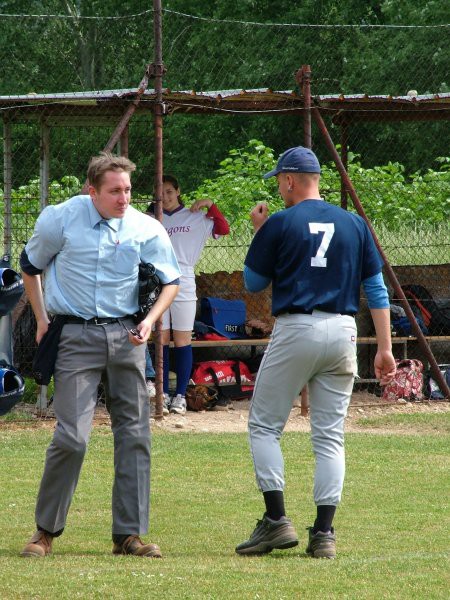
(389, 196)
(52, 54)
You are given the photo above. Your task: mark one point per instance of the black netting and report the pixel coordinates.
(395, 149)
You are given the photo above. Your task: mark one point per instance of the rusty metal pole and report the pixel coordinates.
(7, 184)
(44, 181)
(344, 156)
(44, 164)
(123, 123)
(389, 271)
(123, 142)
(307, 103)
(158, 112)
(303, 78)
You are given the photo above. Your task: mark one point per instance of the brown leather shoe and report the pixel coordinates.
(39, 545)
(134, 545)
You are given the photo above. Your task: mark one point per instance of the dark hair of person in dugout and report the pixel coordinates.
(166, 179)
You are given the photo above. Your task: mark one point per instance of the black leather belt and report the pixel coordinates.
(299, 311)
(296, 310)
(71, 320)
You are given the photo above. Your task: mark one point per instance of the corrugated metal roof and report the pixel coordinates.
(110, 103)
(262, 93)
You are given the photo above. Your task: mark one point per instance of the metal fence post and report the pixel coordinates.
(158, 112)
(344, 156)
(303, 78)
(44, 179)
(7, 185)
(44, 166)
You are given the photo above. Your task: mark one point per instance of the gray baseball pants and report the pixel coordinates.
(84, 353)
(318, 349)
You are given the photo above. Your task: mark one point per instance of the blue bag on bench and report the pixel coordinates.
(225, 316)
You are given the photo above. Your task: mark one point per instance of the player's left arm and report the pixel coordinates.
(165, 299)
(220, 224)
(378, 301)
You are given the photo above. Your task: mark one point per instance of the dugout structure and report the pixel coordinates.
(123, 119)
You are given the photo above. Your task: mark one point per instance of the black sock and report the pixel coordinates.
(274, 504)
(324, 519)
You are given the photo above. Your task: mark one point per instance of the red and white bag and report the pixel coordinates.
(407, 383)
(225, 372)
(232, 378)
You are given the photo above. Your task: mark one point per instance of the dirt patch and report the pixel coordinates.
(235, 420)
(362, 405)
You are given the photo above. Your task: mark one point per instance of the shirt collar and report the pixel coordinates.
(95, 217)
(172, 212)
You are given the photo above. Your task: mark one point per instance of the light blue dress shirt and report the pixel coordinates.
(91, 264)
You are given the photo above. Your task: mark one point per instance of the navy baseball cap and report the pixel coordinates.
(296, 160)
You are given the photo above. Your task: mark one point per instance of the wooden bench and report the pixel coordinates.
(402, 341)
(253, 342)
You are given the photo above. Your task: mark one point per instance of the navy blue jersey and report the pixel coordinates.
(316, 255)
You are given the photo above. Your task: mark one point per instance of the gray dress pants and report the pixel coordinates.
(84, 353)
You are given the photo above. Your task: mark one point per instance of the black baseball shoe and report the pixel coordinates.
(268, 535)
(321, 544)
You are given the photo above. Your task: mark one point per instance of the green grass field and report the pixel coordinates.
(392, 527)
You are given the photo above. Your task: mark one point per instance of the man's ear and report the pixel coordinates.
(290, 182)
(92, 192)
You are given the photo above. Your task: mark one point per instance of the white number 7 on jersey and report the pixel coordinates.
(327, 229)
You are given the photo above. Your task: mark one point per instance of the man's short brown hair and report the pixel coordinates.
(105, 161)
(306, 176)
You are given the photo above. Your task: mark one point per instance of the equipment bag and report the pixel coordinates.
(12, 387)
(402, 325)
(227, 317)
(432, 390)
(231, 378)
(434, 318)
(407, 383)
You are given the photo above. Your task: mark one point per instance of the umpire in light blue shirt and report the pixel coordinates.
(89, 249)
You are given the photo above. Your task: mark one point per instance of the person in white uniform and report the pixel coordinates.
(188, 229)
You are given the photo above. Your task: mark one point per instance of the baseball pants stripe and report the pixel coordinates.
(319, 349)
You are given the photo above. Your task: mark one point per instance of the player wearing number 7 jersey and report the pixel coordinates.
(316, 256)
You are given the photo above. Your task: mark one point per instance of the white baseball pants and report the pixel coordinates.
(318, 349)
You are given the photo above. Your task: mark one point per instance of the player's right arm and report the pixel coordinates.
(33, 290)
(259, 215)
(259, 264)
(43, 245)
(253, 281)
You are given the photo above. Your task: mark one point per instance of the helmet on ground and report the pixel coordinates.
(12, 386)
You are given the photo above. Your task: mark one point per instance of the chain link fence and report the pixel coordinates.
(61, 65)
